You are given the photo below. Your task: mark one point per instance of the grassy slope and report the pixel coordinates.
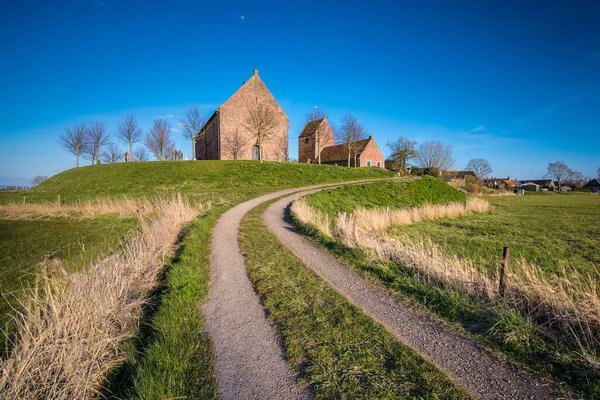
(339, 351)
(400, 194)
(551, 231)
(23, 244)
(502, 329)
(209, 178)
(173, 356)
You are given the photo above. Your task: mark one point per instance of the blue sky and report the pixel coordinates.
(515, 82)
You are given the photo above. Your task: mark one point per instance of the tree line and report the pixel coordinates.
(95, 143)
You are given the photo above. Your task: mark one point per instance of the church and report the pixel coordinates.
(226, 135)
(318, 135)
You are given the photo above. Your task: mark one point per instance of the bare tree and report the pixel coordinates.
(74, 141)
(315, 114)
(235, 144)
(403, 150)
(283, 148)
(141, 153)
(112, 153)
(323, 136)
(348, 134)
(38, 179)
(480, 166)
(158, 140)
(191, 125)
(435, 154)
(260, 123)
(559, 171)
(577, 180)
(598, 173)
(97, 138)
(129, 131)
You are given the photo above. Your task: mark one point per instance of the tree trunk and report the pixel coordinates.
(348, 159)
(192, 153)
(355, 161)
(131, 151)
(319, 156)
(76, 160)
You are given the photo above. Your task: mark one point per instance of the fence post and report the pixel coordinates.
(24, 197)
(178, 197)
(354, 226)
(502, 283)
(59, 203)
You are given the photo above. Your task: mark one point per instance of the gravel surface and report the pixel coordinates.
(468, 364)
(250, 362)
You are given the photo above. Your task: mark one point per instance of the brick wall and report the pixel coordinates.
(207, 145)
(372, 153)
(235, 111)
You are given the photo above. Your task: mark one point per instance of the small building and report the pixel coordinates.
(502, 183)
(226, 135)
(457, 177)
(368, 154)
(544, 184)
(530, 187)
(593, 185)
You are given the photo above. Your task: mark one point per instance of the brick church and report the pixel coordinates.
(368, 154)
(226, 136)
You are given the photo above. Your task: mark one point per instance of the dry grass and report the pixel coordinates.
(568, 306)
(70, 333)
(123, 207)
(378, 220)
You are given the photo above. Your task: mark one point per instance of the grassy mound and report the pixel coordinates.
(398, 194)
(143, 178)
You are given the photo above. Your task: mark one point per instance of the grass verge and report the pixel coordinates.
(500, 327)
(338, 350)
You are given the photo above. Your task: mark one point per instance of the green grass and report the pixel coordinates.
(171, 356)
(206, 178)
(529, 224)
(23, 245)
(551, 231)
(398, 194)
(338, 350)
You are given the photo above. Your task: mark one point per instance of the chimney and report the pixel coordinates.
(255, 72)
(370, 137)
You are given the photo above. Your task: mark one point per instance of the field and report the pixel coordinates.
(166, 353)
(555, 233)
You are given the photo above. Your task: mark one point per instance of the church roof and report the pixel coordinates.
(311, 127)
(338, 152)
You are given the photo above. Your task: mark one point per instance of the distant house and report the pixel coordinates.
(368, 153)
(502, 183)
(530, 187)
(544, 184)
(593, 185)
(457, 177)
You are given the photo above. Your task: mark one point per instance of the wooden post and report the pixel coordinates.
(178, 197)
(502, 283)
(24, 197)
(59, 203)
(354, 226)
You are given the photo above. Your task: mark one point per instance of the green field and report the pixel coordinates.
(551, 230)
(171, 357)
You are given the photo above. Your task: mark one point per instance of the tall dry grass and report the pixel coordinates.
(567, 305)
(123, 207)
(69, 336)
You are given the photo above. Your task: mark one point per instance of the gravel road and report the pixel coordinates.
(469, 365)
(250, 362)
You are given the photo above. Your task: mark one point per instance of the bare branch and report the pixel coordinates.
(235, 144)
(97, 138)
(158, 140)
(349, 133)
(260, 123)
(74, 141)
(434, 154)
(191, 125)
(558, 170)
(129, 131)
(403, 150)
(480, 166)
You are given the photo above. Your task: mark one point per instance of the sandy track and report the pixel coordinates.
(249, 358)
(470, 366)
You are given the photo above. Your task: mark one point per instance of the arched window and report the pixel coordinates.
(368, 163)
(255, 153)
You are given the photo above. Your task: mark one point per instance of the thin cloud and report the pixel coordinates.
(480, 128)
(103, 4)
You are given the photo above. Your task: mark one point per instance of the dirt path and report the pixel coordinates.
(470, 366)
(249, 358)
